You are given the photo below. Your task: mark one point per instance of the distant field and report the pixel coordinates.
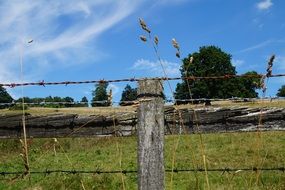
(116, 109)
(232, 150)
(78, 110)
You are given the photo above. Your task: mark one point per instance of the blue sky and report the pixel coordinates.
(99, 39)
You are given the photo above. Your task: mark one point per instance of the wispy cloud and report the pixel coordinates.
(154, 67)
(62, 32)
(264, 5)
(237, 62)
(257, 46)
(262, 45)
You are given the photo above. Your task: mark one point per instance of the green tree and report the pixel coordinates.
(212, 61)
(84, 102)
(57, 99)
(4, 97)
(49, 99)
(128, 94)
(26, 100)
(247, 86)
(69, 101)
(100, 96)
(281, 91)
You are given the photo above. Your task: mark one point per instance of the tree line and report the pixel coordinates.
(208, 61)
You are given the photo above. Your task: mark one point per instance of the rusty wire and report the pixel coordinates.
(46, 172)
(193, 78)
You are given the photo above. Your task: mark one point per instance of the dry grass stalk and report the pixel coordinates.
(269, 66)
(262, 84)
(54, 145)
(25, 158)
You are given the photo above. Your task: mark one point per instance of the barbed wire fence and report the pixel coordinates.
(173, 169)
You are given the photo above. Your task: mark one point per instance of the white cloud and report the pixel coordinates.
(171, 69)
(62, 31)
(237, 62)
(264, 5)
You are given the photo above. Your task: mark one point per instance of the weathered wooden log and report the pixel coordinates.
(208, 119)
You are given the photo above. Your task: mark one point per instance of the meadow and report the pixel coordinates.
(227, 150)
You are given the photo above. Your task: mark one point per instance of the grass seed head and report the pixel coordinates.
(175, 44)
(156, 40)
(143, 25)
(143, 38)
(177, 54)
(21, 141)
(191, 60)
(271, 60)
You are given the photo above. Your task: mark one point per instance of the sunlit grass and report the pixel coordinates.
(233, 150)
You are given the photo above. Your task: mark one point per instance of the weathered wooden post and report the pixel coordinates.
(150, 135)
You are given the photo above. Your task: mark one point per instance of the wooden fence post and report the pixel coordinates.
(150, 135)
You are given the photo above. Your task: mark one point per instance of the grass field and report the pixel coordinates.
(232, 150)
(118, 109)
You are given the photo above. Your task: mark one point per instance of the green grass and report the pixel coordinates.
(232, 150)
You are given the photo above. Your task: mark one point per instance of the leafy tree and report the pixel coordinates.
(38, 100)
(49, 99)
(56, 99)
(69, 101)
(281, 91)
(4, 97)
(247, 86)
(84, 102)
(129, 94)
(212, 61)
(100, 94)
(26, 100)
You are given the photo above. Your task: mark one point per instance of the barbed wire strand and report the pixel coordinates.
(223, 77)
(227, 169)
